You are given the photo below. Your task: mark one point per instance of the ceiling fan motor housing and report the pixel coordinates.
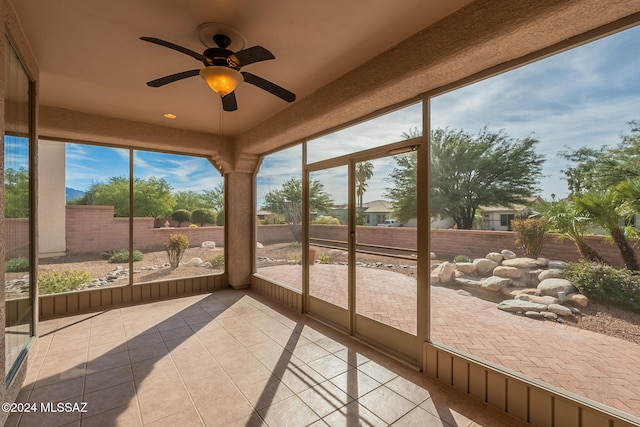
(219, 56)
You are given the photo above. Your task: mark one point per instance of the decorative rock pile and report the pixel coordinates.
(535, 287)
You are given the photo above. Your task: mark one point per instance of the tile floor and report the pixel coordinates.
(231, 358)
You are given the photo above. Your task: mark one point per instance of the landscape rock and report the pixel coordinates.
(553, 286)
(495, 283)
(466, 267)
(530, 277)
(445, 272)
(542, 262)
(521, 263)
(465, 281)
(259, 245)
(194, 262)
(511, 291)
(534, 315)
(538, 299)
(432, 255)
(552, 273)
(549, 315)
(495, 257)
(510, 272)
(560, 310)
(516, 306)
(557, 264)
(507, 254)
(577, 300)
(485, 266)
(209, 244)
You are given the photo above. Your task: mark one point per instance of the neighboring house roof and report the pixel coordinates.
(375, 206)
(515, 207)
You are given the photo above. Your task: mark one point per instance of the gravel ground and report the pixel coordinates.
(601, 318)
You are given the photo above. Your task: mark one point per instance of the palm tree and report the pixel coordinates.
(564, 218)
(606, 211)
(364, 172)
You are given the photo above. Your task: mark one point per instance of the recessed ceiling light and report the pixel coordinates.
(169, 116)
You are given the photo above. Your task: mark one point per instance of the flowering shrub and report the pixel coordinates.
(175, 247)
(606, 284)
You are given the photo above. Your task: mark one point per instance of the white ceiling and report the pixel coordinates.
(91, 59)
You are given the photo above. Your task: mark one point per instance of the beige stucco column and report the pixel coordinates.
(239, 239)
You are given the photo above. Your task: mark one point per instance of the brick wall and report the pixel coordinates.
(16, 237)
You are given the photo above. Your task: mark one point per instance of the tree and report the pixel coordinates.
(600, 168)
(565, 219)
(189, 200)
(605, 210)
(203, 216)
(16, 193)
(466, 172)
(151, 197)
(364, 172)
(214, 198)
(287, 201)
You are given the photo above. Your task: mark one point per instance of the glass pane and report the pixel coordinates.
(17, 209)
(279, 202)
(376, 132)
(178, 203)
(329, 235)
(580, 110)
(85, 195)
(386, 242)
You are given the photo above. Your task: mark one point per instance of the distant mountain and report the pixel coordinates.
(72, 193)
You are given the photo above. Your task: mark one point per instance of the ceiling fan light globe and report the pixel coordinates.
(222, 80)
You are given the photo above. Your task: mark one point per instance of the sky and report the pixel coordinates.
(582, 97)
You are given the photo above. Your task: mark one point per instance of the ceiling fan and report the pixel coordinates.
(222, 67)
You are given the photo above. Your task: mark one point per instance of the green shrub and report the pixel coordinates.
(220, 217)
(62, 281)
(119, 256)
(326, 219)
(203, 216)
(175, 247)
(217, 261)
(108, 253)
(17, 264)
(600, 282)
(324, 259)
(530, 234)
(181, 215)
(461, 258)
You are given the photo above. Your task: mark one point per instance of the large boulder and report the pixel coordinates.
(194, 262)
(557, 264)
(538, 299)
(495, 283)
(495, 257)
(577, 300)
(484, 266)
(507, 254)
(553, 286)
(510, 272)
(466, 267)
(516, 306)
(444, 272)
(521, 263)
(552, 273)
(209, 244)
(560, 310)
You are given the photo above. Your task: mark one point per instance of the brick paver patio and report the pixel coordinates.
(599, 367)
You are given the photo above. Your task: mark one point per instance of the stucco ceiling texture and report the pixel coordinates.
(91, 59)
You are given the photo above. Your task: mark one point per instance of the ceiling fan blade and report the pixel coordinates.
(229, 102)
(273, 88)
(173, 46)
(172, 78)
(251, 55)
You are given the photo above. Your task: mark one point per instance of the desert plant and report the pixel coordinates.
(181, 215)
(193, 226)
(217, 261)
(203, 216)
(530, 234)
(175, 247)
(326, 219)
(119, 256)
(62, 281)
(461, 258)
(17, 264)
(324, 259)
(606, 284)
